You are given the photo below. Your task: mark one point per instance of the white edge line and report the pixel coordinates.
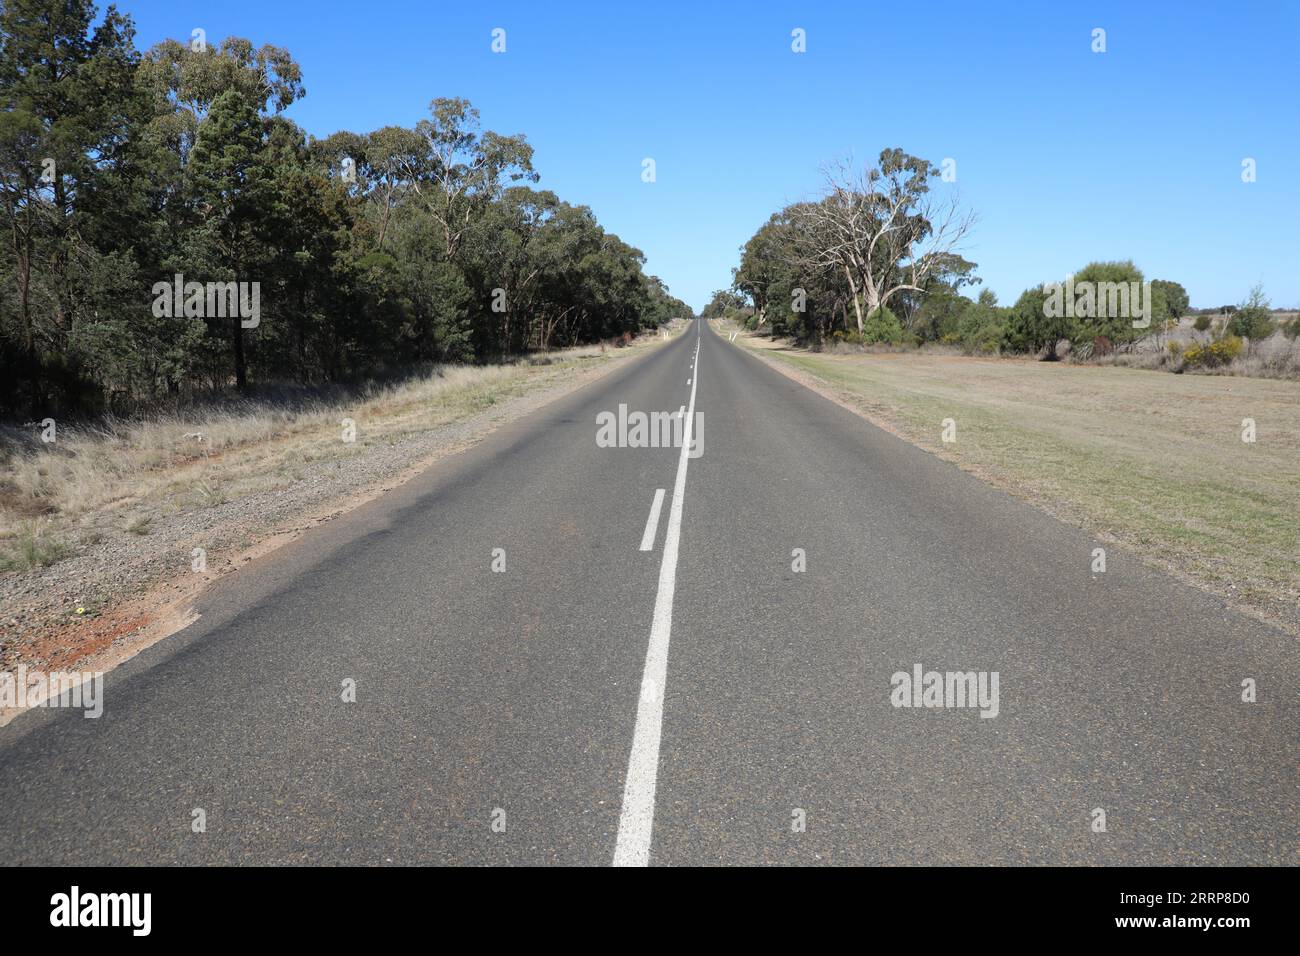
(652, 522)
(636, 821)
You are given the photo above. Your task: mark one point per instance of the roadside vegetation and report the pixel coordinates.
(373, 252)
(874, 263)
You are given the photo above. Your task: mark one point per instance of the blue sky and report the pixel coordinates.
(1067, 155)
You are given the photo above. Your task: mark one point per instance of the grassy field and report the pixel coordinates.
(1152, 460)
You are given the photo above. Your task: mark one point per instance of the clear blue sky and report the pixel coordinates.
(1067, 155)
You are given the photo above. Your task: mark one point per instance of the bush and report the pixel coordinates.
(1028, 328)
(980, 331)
(1253, 319)
(1252, 324)
(882, 326)
(1213, 354)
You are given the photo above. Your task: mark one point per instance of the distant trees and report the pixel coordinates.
(373, 250)
(862, 258)
(875, 260)
(723, 304)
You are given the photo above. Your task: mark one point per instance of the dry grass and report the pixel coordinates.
(31, 548)
(115, 476)
(1153, 460)
(1277, 356)
(1276, 363)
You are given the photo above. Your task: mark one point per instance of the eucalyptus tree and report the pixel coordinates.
(884, 228)
(465, 169)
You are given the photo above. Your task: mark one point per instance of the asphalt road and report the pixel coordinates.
(699, 702)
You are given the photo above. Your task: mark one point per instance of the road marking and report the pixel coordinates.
(652, 522)
(636, 822)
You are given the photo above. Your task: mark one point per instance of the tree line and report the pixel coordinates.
(127, 173)
(875, 259)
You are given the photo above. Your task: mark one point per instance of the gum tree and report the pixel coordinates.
(884, 229)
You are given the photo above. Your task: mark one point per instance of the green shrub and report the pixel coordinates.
(981, 330)
(1253, 320)
(882, 326)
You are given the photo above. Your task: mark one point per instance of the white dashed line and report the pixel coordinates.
(652, 522)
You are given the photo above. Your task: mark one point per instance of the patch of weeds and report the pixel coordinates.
(30, 549)
(210, 494)
(141, 525)
(86, 609)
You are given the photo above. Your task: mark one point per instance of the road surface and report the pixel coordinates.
(698, 702)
